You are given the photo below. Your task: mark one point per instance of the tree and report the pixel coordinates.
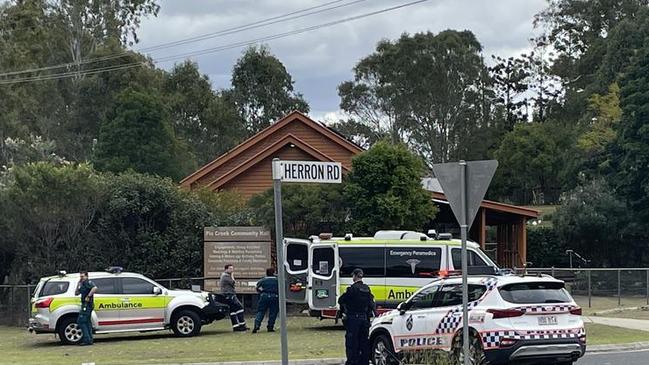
(138, 136)
(532, 160)
(47, 215)
(262, 89)
(384, 190)
(630, 154)
(597, 140)
(148, 225)
(430, 91)
(594, 222)
(204, 120)
(510, 77)
(69, 38)
(308, 209)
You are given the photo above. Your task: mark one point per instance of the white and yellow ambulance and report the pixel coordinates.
(395, 263)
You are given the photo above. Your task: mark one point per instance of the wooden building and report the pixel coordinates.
(500, 228)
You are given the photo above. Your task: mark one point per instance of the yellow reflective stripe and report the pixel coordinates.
(385, 293)
(59, 302)
(116, 303)
(134, 302)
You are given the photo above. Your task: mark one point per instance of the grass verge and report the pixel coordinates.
(308, 338)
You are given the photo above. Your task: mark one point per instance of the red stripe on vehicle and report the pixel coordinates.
(131, 321)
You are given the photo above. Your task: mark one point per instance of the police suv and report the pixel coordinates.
(124, 302)
(528, 319)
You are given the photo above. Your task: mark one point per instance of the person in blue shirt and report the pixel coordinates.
(268, 301)
(86, 289)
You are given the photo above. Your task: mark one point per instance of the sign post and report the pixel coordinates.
(294, 171)
(465, 184)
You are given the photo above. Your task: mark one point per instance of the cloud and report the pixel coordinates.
(322, 59)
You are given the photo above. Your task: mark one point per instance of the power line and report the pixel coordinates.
(221, 33)
(211, 50)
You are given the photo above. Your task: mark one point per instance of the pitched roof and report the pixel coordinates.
(250, 142)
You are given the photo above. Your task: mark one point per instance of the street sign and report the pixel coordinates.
(464, 184)
(478, 177)
(307, 171)
(294, 171)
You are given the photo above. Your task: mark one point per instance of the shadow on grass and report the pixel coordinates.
(333, 327)
(126, 337)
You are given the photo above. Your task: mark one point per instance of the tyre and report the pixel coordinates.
(476, 352)
(186, 323)
(69, 331)
(383, 351)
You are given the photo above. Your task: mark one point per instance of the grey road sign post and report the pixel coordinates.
(465, 184)
(294, 171)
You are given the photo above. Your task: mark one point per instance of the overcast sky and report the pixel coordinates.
(319, 60)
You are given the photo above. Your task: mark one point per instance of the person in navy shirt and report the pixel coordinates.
(86, 289)
(268, 301)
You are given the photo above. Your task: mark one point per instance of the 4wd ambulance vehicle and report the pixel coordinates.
(395, 265)
(512, 319)
(124, 302)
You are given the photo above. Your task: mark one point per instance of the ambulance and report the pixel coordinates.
(124, 302)
(395, 265)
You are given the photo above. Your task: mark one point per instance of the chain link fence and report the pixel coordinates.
(595, 289)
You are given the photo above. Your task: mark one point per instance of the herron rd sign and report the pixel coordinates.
(307, 172)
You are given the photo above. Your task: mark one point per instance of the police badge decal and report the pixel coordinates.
(409, 323)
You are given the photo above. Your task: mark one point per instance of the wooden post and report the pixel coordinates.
(522, 240)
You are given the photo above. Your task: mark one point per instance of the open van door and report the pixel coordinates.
(324, 268)
(296, 267)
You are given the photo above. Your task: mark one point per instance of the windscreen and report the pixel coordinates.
(535, 293)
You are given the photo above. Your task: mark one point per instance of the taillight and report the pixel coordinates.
(295, 287)
(505, 313)
(576, 311)
(44, 303)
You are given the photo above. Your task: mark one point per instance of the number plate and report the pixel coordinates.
(547, 320)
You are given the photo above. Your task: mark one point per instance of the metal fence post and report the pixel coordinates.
(589, 290)
(552, 271)
(647, 287)
(619, 289)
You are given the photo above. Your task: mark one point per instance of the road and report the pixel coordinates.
(616, 358)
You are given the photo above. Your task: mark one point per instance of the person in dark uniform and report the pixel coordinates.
(268, 301)
(358, 305)
(236, 309)
(86, 289)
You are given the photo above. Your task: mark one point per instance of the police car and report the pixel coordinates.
(124, 302)
(529, 319)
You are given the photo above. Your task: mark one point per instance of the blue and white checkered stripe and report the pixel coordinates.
(547, 308)
(491, 339)
(452, 320)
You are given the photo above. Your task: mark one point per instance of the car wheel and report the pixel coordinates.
(69, 331)
(186, 323)
(476, 353)
(383, 351)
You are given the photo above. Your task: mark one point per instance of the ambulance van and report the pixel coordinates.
(395, 263)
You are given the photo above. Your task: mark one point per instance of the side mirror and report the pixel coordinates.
(157, 290)
(402, 308)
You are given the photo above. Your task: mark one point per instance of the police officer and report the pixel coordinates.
(268, 301)
(358, 304)
(236, 309)
(87, 290)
